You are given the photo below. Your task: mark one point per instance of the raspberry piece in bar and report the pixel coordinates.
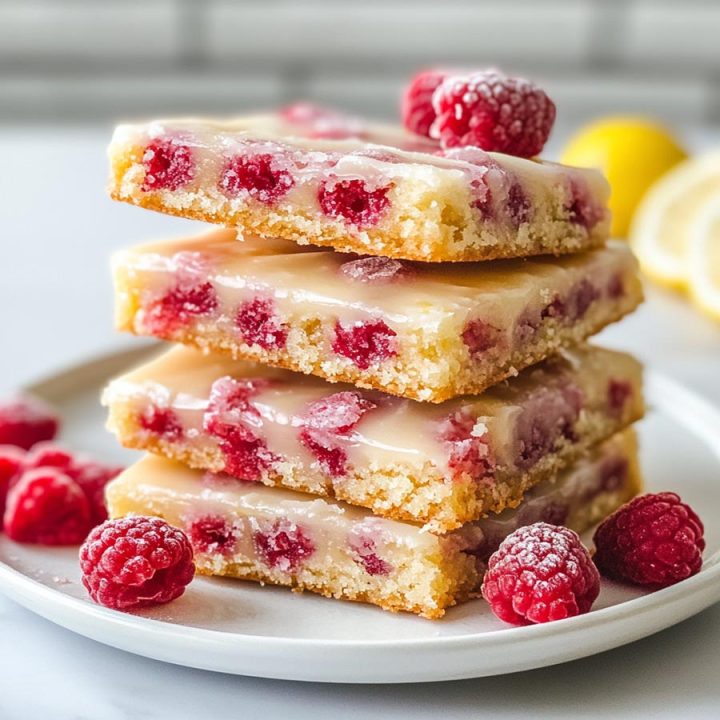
(260, 175)
(160, 421)
(382, 192)
(135, 562)
(294, 539)
(427, 331)
(442, 465)
(353, 201)
(212, 533)
(168, 165)
(541, 573)
(417, 110)
(655, 540)
(365, 343)
(47, 507)
(25, 421)
(494, 112)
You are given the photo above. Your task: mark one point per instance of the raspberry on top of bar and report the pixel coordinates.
(440, 464)
(279, 176)
(244, 530)
(418, 330)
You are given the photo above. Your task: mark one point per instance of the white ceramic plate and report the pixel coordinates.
(246, 629)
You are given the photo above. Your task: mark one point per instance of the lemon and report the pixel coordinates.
(632, 153)
(664, 222)
(703, 257)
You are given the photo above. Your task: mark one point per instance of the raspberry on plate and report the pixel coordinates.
(494, 112)
(540, 573)
(47, 507)
(25, 421)
(655, 540)
(11, 463)
(136, 561)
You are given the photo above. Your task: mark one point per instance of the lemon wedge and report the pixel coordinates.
(703, 258)
(662, 226)
(632, 153)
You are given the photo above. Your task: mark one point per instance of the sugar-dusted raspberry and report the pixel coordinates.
(365, 343)
(136, 561)
(169, 165)
(655, 540)
(230, 409)
(178, 306)
(494, 112)
(25, 421)
(353, 201)
(479, 336)
(48, 454)
(365, 553)
(582, 296)
(258, 323)
(11, 465)
(619, 391)
(417, 110)
(540, 573)
(47, 507)
(283, 544)
(263, 176)
(212, 533)
(161, 421)
(326, 421)
(92, 477)
(466, 441)
(377, 270)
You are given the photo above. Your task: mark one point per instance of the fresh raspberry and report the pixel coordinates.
(136, 561)
(365, 343)
(229, 411)
(261, 176)
(48, 454)
(494, 112)
(540, 573)
(468, 451)
(168, 165)
(376, 270)
(25, 421)
(417, 110)
(178, 306)
(353, 201)
(618, 393)
(479, 336)
(47, 507)
(283, 545)
(258, 323)
(655, 540)
(326, 421)
(161, 421)
(212, 534)
(11, 464)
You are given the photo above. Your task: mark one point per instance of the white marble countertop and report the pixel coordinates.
(55, 308)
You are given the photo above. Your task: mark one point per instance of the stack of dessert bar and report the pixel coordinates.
(381, 369)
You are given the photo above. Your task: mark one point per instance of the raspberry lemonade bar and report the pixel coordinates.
(443, 464)
(424, 331)
(247, 531)
(265, 176)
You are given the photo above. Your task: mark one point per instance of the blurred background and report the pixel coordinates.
(71, 69)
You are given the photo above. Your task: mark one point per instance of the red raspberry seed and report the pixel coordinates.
(168, 165)
(354, 202)
(655, 540)
(365, 343)
(261, 176)
(47, 507)
(25, 421)
(136, 561)
(283, 545)
(417, 110)
(259, 324)
(494, 112)
(540, 573)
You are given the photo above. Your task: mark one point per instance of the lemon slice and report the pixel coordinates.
(703, 258)
(660, 231)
